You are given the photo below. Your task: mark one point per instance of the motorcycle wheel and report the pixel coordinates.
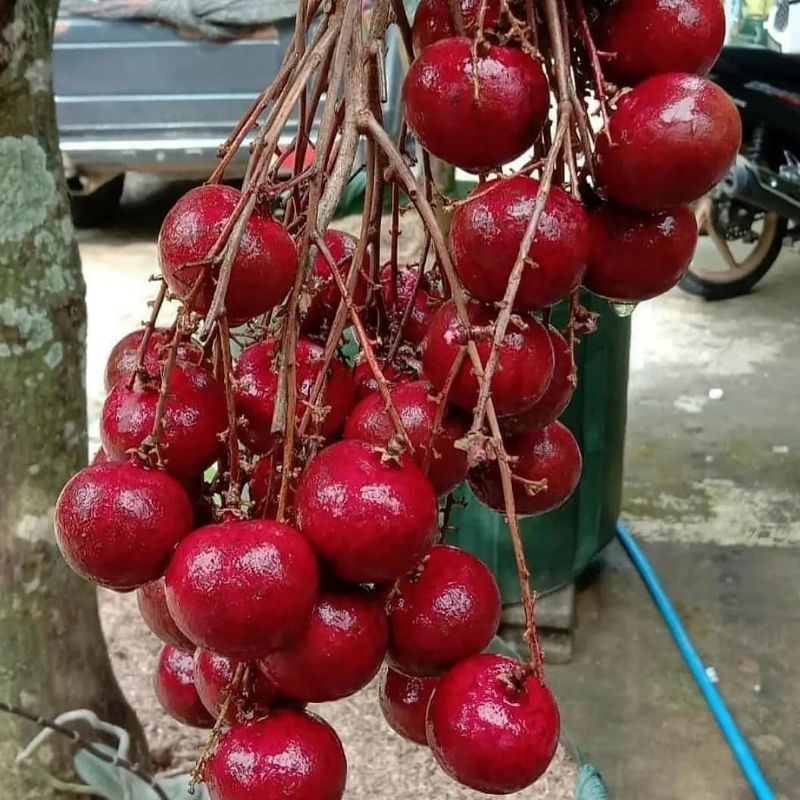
(741, 269)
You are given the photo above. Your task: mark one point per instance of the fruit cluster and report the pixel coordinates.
(276, 505)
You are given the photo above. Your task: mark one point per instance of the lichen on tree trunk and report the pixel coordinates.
(52, 653)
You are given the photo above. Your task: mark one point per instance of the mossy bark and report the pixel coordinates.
(52, 653)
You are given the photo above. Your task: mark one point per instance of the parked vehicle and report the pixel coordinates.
(141, 96)
(756, 207)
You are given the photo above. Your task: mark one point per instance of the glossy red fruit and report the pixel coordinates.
(340, 652)
(487, 231)
(152, 601)
(265, 485)
(243, 588)
(556, 397)
(122, 358)
(117, 524)
(364, 382)
(440, 107)
(257, 379)
(425, 302)
(100, 457)
(433, 21)
(445, 610)
(264, 266)
(491, 726)
(325, 295)
(647, 37)
(415, 404)
(548, 459)
(524, 369)
(672, 138)
(637, 256)
(213, 675)
(370, 519)
(290, 754)
(174, 684)
(404, 702)
(195, 417)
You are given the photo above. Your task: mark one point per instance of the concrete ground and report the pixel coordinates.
(712, 487)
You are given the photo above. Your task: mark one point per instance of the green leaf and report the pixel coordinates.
(502, 647)
(99, 775)
(589, 785)
(352, 200)
(111, 781)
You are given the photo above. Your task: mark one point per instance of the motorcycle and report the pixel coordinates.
(755, 209)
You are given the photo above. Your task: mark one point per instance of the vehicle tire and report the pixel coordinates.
(98, 208)
(738, 280)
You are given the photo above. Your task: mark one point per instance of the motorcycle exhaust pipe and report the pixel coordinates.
(761, 188)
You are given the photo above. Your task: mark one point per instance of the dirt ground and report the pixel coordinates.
(382, 766)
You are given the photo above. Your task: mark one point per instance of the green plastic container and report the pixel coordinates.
(560, 545)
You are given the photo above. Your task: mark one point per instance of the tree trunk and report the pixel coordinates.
(52, 653)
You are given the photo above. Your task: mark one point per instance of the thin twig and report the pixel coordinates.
(83, 744)
(366, 345)
(141, 351)
(507, 303)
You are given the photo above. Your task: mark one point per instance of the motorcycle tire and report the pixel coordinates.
(719, 290)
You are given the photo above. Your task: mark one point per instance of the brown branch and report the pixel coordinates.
(83, 744)
(600, 86)
(456, 16)
(139, 370)
(232, 499)
(210, 744)
(441, 408)
(366, 346)
(507, 303)
(422, 203)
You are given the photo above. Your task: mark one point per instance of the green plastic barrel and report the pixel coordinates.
(560, 545)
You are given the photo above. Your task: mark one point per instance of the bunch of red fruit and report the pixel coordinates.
(264, 612)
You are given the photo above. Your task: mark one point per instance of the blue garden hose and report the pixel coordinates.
(738, 744)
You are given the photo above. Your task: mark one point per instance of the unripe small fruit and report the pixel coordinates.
(173, 682)
(117, 523)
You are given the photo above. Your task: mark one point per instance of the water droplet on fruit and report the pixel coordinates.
(621, 309)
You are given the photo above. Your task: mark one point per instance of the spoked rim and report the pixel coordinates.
(735, 268)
